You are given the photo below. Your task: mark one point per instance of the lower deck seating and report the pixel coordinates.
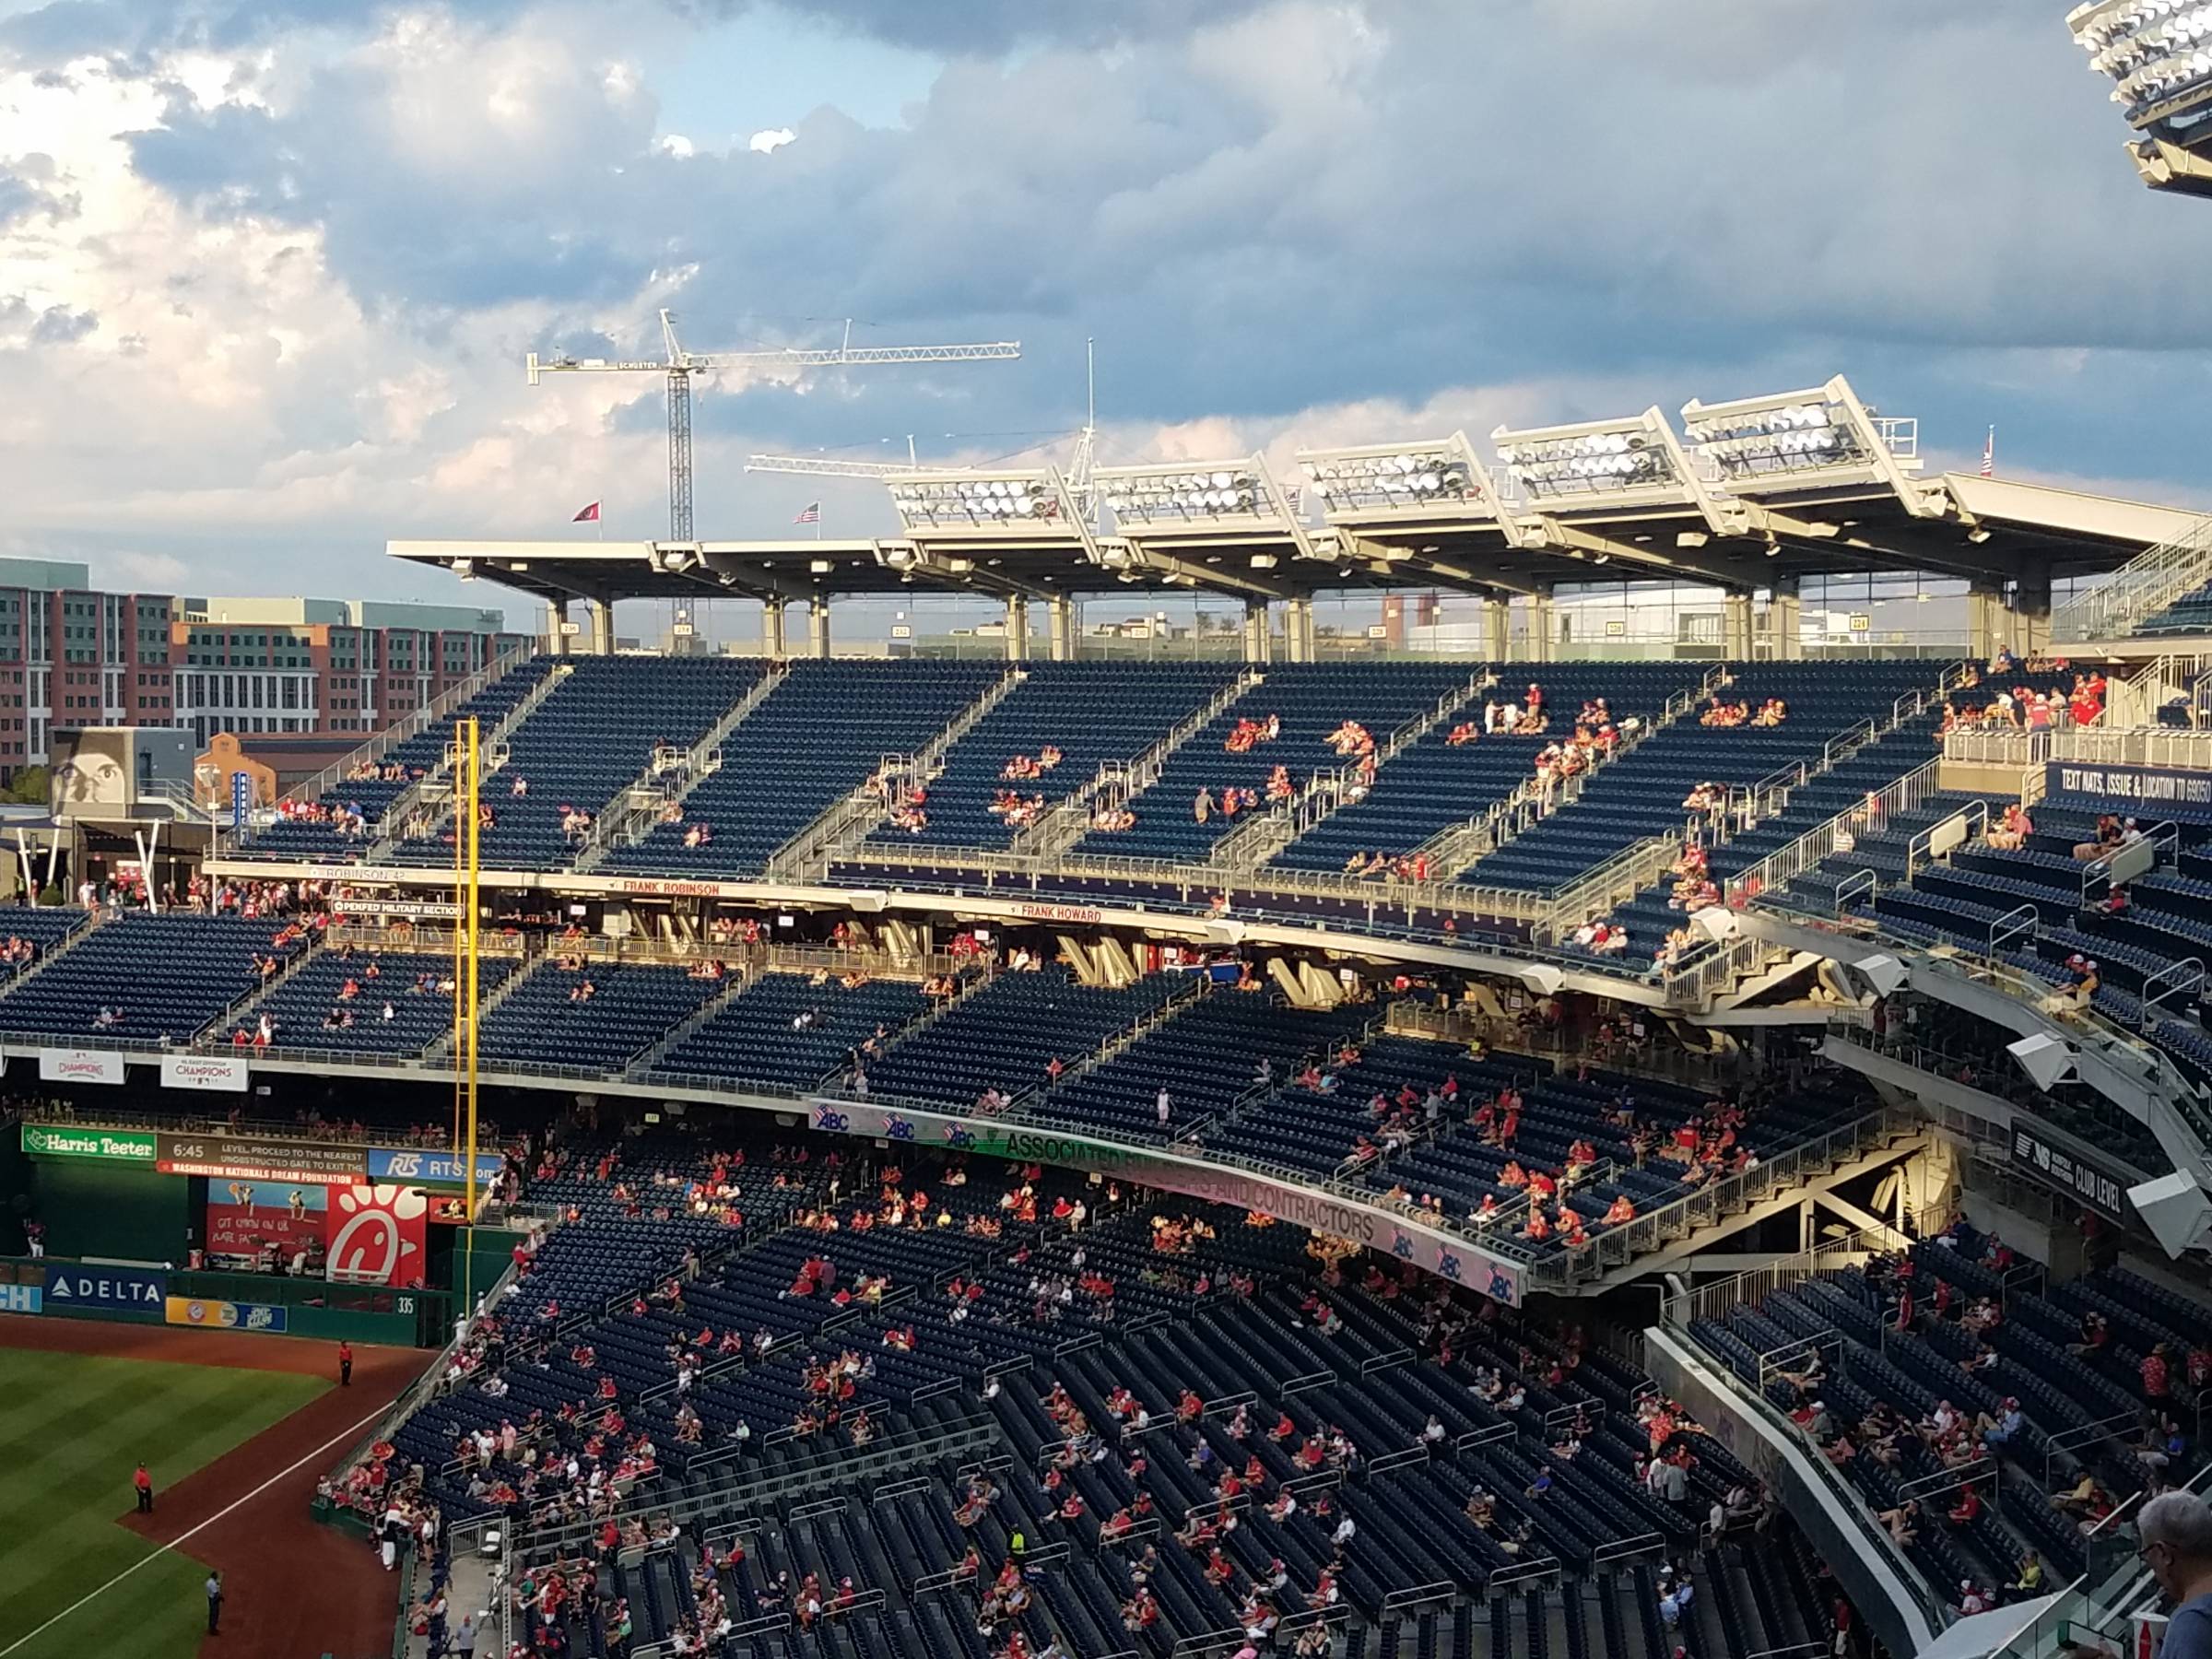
(1367, 1438)
(595, 1015)
(1005, 1034)
(346, 1000)
(786, 1031)
(1925, 1358)
(146, 978)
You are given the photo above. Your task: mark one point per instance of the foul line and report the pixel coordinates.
(163, 1549)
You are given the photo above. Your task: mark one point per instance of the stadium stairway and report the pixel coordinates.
(1845, 778)
(798, 760)
(661, 787)
(2082, 1414)
(580, 749)
(1102, 717)
(1311, 700)
(383, 778)
(1437, 790)
(1262, 837)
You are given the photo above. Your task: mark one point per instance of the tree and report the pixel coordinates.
(29, 786)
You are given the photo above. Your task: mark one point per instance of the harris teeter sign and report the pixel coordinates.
(112, 1146)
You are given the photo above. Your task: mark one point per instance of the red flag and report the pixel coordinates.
(590, 515)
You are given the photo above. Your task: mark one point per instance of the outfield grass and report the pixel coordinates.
(72, 1428)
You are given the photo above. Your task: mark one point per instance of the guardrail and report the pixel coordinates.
(2168, 746)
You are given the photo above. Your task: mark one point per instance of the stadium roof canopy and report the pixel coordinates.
(1753, 491)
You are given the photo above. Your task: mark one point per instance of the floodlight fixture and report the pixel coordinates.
(2157, 55)
(1626, 462)
(1424, 478)
(1185, 493)
(1010, 506)
(1824, 435)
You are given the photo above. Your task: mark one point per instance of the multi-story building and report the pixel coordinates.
(70, 655)
(322, 667)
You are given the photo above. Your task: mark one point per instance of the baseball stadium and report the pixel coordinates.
(1480, 1132)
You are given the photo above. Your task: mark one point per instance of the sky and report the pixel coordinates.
(269, 268)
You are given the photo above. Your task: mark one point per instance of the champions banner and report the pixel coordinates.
(243, 1215)
(1428, 1248)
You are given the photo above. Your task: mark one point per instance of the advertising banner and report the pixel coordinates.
(114, 1146)
(223, 1315)
(243, 1215)
(2148, 787)
(256, 1158)
(205, 1071)
(136, 1289)
(79, 1065)
(423, 1165)
(2095, 1187)
(378, 1234)
(21, 1298)
(1429, 1248)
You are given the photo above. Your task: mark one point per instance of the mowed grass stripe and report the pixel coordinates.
(73, 1430)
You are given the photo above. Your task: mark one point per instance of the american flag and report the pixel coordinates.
(1989, 453)
(809, 514)
(1294, 497)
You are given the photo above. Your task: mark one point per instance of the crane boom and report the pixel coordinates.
(823, 467)
(680, 365)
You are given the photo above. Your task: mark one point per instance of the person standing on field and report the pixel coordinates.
(145, 1485)
(215, 1603)
(345, 1364)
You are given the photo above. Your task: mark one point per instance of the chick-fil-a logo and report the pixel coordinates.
(380, 1234)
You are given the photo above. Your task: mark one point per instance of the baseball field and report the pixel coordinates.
(234, 1430)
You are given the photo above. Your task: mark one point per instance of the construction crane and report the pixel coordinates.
(1077, 474)
(680, 365)
(828, 466)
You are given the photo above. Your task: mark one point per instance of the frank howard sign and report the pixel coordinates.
(2151, 788)
(205, 1071)
(1428, 1248)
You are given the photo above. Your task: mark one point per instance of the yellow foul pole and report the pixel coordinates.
(465, 984)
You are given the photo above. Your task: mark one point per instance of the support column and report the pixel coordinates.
(558, 625)
(1060, 624)
(2030, 619)
(818, 626)
(1017, 628)
(1497, 629)
(1784, 619)
(1259, 631)
(1736, 627)
(1298, 629)
(602, 627)
(1540, 626)
(771, 630)
(1985, 620)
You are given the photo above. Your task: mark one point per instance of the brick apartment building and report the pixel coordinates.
(70, 655)
(344, 667)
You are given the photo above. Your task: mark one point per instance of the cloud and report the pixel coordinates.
(318, 239)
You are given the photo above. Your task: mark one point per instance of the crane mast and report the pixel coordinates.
(680, 365)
